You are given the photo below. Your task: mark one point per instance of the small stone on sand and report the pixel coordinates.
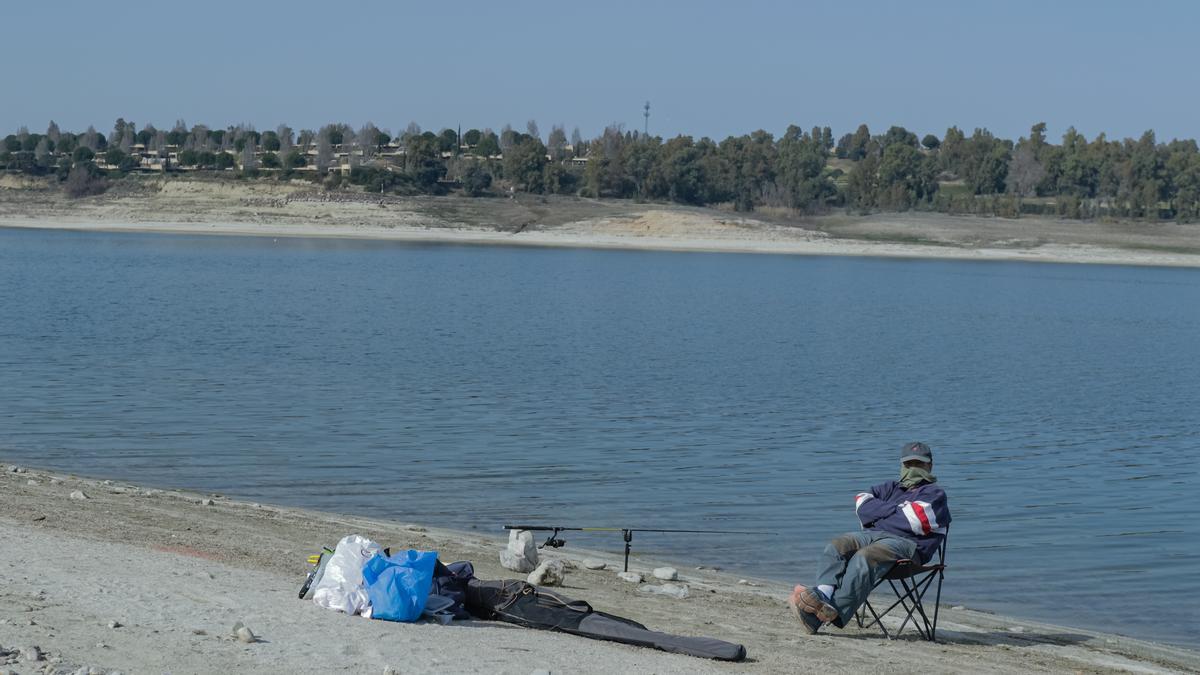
(78, 494)
(243, 633)
(631, 577)
(548, 573)
(666, 573)
(592, 564)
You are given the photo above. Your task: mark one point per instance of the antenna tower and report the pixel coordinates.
(646, 114)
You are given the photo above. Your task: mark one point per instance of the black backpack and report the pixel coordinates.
(450, 582)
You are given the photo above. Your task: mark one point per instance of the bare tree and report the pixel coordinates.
(305, 139)
(91, 139)
(576, 141)
(556, 144)
(507, 137)
(198, 140)
(249, 161)
(80, 182)
(42, 151)
(284, 132)
(413, 129)
(1024, 172)
(324, 150)
(531, 128)
(53, 133)
(367, 140)
(127, 139)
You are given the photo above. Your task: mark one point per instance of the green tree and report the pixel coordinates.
(488, 145)
(985, 164)
(801, 170)
(294, 160)
(856, 148)
(476, 180)
(270, 161)
(525, 163)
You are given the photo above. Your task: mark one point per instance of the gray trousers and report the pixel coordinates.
(854, 562)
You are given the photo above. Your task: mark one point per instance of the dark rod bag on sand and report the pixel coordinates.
(515, 601)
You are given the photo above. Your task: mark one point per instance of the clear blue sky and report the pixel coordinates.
(708, 68)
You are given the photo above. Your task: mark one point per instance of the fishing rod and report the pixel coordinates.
(553, 541)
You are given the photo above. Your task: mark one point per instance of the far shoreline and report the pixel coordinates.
(1073, 254)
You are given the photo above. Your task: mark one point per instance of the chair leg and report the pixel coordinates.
(877, 621)
(909, 594)
(937, 605)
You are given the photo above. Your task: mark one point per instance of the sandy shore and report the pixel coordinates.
(266, 208)
(175, 573)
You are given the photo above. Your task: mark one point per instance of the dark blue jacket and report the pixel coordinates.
(920, 514)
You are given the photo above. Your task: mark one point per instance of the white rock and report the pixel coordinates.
(32, 482)
(31, 653)
(78, 494)
(631, 577)
(521, 554)
(1017, 629)
(206, 502)
(115, 624)
(242, 633)
(549, 573)
(666, 573)
(56, 481)
(592, 564)
(677, 591)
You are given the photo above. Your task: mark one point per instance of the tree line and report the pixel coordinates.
(806, 171)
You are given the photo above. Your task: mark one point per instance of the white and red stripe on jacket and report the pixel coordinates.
(921, 518)
(860, 498)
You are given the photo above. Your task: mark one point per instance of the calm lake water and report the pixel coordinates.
(472, 386)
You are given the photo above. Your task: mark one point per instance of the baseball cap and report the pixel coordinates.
(916, 450)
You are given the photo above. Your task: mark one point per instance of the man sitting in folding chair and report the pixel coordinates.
(901, 520)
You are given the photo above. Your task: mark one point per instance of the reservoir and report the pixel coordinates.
(468, 387)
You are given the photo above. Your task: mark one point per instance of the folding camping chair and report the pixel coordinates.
(914, 580)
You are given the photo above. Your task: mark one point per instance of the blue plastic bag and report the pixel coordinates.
(398, 586)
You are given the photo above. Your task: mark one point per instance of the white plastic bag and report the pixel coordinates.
(341, 587)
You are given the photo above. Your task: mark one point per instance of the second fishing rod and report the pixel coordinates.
(554, 541)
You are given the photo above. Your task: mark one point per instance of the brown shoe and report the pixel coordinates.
(808, 621)
(812, 601)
